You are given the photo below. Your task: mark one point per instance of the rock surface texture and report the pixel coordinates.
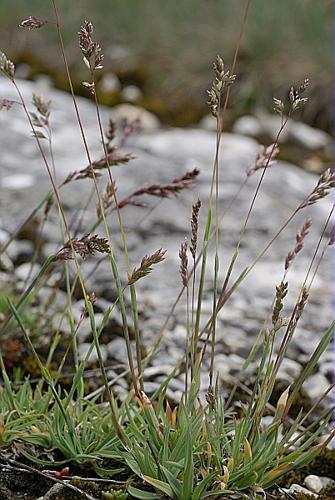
(160, 156)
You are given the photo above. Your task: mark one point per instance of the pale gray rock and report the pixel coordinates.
(110, 83)
(315, 386)
(325, 481)
(6, 263)
(59, 303)
(326, 368)
(22, 250)
(44, 83)
(27, 270)
(17, 182)
(117, 349)
(289, 370)
(296, 488)
(83, 349)
(151, 387)
(267, 420)
(153, 371)
(248, 125)
(270, 124)
(208, 122)
(195, 147)
(4, 237)
(131, 93)
(148, 121)
(84, 330)
(222, 368)
(60, 322)
(162, 155)
(174, 396)
(22, 70)
(309, 137)
(296, 132)
(313, 483)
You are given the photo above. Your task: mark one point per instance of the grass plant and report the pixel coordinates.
(200, 448)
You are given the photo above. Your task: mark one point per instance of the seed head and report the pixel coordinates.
(296, 101)
(301, 304)
(222, 80)
(92, 297)
(278, 105)
(304, 86)
(281, 292)
(168, 189)
(325, 183)
(146, 266)
(6, 104)
(87, 245)
(7, 66)
(33, 23)
(195, 227)
(88, 172)
(91, 50)
(42, 106)
(183, 263)
(299, 239)
(160, 190)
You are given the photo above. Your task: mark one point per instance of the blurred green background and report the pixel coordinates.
(165, 49)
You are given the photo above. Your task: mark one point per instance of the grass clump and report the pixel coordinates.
(200, 448)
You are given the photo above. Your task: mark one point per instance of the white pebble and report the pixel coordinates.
(313, 483)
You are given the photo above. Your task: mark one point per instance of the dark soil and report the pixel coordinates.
(19, 484)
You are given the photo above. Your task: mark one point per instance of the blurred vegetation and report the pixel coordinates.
(166, 47)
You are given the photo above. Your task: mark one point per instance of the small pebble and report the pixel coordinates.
(27, 270)
(315, 386)
(93, 358)
(296, 488)
(313, 483)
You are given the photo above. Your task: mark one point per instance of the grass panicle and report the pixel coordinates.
(87, 245)
(145, 267)
(301, 235)
(33, 22)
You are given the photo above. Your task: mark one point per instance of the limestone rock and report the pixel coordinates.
(148, 121)
(315, 386)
